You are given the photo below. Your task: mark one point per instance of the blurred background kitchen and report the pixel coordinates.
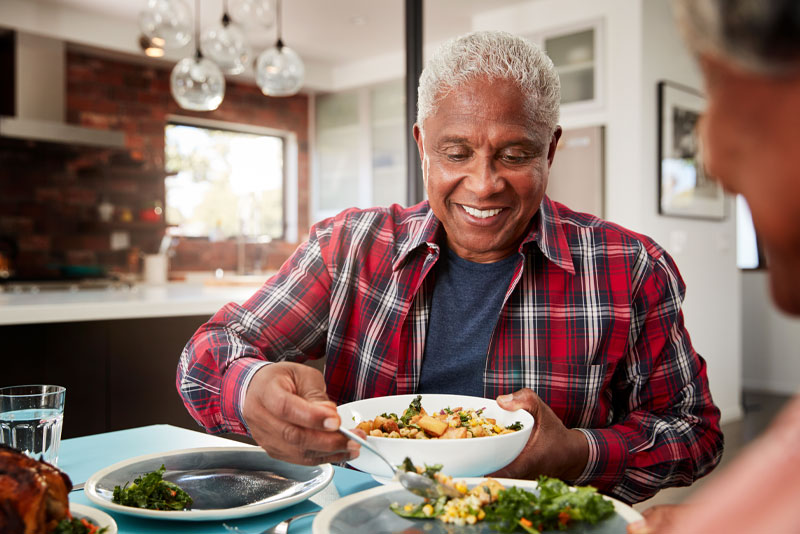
(127, 216)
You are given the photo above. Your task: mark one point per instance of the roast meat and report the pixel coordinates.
(33, 494)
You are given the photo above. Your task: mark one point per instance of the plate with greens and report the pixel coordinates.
(382, 510)
(86, 520)
(204, 484)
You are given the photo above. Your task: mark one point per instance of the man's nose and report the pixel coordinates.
(484, 178)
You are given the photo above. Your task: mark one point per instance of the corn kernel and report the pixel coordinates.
(471, 519)
(481, 514)
(428, 510)
(497, 429)
(461, 487)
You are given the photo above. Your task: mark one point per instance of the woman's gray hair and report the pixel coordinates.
(492, 55)
(758, 35)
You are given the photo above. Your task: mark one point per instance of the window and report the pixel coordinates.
(224, 183)
(360, 152)
(748, 248)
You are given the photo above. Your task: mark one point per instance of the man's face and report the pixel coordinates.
(485, 164)
(751, 143)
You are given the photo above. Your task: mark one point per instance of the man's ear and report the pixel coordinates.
(417, 131)
(551, 150)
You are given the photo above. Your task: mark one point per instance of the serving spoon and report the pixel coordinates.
(413, 482)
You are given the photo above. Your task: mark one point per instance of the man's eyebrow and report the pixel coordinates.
(453, 140)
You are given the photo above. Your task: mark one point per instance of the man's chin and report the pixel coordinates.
(785, 283)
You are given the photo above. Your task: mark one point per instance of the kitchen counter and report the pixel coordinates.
(174, 299)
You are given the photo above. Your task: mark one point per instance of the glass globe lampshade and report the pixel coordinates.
(168, 23)
(226, 46)
(197, 84)
(253, 12)
(279, 71)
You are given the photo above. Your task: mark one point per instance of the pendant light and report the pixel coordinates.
(226, 45)
(253, 13)
(167, 23)
(279, 70)
(197, 83)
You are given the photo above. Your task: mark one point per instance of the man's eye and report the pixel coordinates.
(457, 156)
(515, 159)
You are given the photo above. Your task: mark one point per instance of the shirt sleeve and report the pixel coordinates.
(286, 320)
(667, 429)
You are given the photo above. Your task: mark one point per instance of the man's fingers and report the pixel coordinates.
(523, 399)
(287, 406)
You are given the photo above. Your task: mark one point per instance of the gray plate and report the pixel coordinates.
(368, 511)
(225, 482)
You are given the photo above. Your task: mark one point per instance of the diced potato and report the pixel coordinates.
(379, 421)
(492, 486)
(478, 431)
(455, 433)
(366, 426)
(432, 426)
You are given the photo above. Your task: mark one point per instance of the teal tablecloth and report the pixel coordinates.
(81, 457)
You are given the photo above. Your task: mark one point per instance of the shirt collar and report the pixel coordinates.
(422, 233)
(545, 231)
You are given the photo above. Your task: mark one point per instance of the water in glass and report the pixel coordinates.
(31, 418)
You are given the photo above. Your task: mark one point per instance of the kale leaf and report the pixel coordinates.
(151, 491)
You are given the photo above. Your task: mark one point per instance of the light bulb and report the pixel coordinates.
(279, 71)
(197, 84)
(150, 47)
(168, 23)
(253, 12)
(226, 46)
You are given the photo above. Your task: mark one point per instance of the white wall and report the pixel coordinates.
(642, 47)
(708, 259)
(770, 339)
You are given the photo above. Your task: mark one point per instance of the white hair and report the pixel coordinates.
(493, 55)
(758, 35)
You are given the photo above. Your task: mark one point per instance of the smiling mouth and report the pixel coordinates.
(481, 214)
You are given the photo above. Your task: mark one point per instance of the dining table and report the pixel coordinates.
(83, 456)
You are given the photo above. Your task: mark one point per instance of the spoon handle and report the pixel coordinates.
(358, 439)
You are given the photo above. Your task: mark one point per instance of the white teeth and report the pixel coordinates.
(481, 214)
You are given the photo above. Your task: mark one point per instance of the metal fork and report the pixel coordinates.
(280, 528)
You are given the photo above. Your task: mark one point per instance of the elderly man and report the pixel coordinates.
(487, 289)
(749, 51)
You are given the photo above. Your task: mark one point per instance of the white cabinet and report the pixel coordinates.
(360, 149)
(577, 53)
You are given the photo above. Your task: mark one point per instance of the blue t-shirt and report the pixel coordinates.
(465, 308)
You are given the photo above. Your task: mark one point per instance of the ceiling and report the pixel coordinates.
(330, 32)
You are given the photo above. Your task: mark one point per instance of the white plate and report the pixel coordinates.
(368, 511)
(225, 482)
(98, 517)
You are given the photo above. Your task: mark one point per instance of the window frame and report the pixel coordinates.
(290, 162)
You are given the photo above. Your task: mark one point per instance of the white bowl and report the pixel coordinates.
(470, 457)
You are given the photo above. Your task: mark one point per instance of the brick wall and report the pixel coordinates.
(49, 193)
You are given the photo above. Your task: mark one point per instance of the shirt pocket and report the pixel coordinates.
(579, 394)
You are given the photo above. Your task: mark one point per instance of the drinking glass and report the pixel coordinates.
(31, 418)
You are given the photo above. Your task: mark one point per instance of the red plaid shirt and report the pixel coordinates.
(591, 322)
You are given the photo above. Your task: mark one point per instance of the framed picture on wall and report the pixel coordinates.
(684, 188)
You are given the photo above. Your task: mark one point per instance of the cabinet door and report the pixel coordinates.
(577, 53)
(65, 354)
(143, 360)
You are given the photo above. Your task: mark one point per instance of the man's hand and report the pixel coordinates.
(290, 416)
(657, 519)
(552, 450)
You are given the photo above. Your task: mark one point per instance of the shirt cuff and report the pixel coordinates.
(235, 382)
(608, 459)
